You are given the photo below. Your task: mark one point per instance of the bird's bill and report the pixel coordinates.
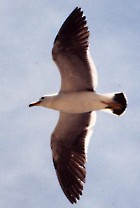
(37, 103)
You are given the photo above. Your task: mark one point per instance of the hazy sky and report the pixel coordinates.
(27, 175)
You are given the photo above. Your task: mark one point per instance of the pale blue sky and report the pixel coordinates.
(27, 175)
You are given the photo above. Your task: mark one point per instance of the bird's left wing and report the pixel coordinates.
(68, 143)
(70, 53)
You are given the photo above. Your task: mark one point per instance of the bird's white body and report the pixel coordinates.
(77, 102)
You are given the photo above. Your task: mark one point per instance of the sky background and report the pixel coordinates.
(27, 32)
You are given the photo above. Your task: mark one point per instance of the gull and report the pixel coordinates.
(77, 102)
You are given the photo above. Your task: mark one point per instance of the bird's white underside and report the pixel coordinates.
(77, 102)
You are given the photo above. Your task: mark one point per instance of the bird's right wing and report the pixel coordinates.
(69, 142)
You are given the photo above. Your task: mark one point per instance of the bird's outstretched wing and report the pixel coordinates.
(69, 142)
(71, 54)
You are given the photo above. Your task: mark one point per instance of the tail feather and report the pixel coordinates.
(120, 99)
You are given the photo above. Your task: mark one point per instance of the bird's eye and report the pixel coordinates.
(42, 98)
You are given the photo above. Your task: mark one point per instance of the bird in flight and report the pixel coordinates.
(77, 102)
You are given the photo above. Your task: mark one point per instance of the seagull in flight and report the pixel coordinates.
(77, 102)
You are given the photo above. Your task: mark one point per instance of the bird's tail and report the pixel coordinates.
(118, 104)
